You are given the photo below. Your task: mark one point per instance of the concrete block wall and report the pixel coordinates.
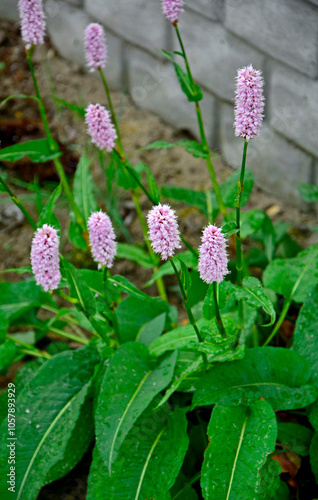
(280, 37)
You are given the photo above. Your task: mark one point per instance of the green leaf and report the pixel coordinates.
(176, 339)
(47, 214)
(184, 275)
(8, 352)
(295, 436)
(18, 298)
(240, 440)
(135, 254)
(254, 294)
(309, 192)
(294, 278)
(37, 151)
(314, 455)
(251, 222)
(229, 228)
(209, 303)
(269, 479)
(305, 335)
(73, 107)
(133, 313)
(79, 290)
(148, 462)
(191, 197)
(129, 385)
(83, 188)
(47, 411)
(75, 234)
(192, 147)
(229, 188)
(17, 96)
(278, 375)
(151, 330)
(166, 269)
(191, 90)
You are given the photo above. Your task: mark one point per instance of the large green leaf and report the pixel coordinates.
(37, 151)
(251, 222)
(187, 257)
(17, 298)
(240, 440)
(176, 339)
(47, 411)
(149, 459)
(280, 376)
(294, 278)
(83, 188)
(79, 289)
(269, 479)
(305, 336)
(254, 294)
(129, 385)
(194, 198)
(8, 352)
(152, 330)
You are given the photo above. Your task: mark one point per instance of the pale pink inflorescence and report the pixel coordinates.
(95, 45)
(100, 127)
(163, 230)
(45, 257)
(102, 239)
(249, 102)
(213, 257)
(172, 9)
(32, 21)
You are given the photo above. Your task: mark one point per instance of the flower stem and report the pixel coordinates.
(53, 147)
(68, 335)
(188, 309)
(133, 192)
(219, 321)
(239, 263)
(29, 349)
(111, 306)
(204, 141)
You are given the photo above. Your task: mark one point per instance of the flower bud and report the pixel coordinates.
(95, 45)
(163, 230)
(249, 102)
(102, 239)
(45, 257)
(172, 9)
(100, 127)
(32, 21)
(213, 257)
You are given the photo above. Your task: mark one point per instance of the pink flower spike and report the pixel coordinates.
(45, 257)
(95, 45)
(102, 239)
(249, 103)
(213, 257)
(100, 127)
(163, 230)
(172, 9)
(32, 22)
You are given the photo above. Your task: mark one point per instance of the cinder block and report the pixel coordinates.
(154, 86)
(77, 3)
(285, 29)
(215, 54)
(278, 165)
(138, 21)
(213, 9)
(9, 10)
(293, 107)
(66, 26)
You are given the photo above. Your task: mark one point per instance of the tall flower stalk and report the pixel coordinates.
(95, 44)
(33, 32)
(215, 184)
(249, 107)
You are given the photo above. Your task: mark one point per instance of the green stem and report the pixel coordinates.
(134, 195)
(18, 203)
(239, 260)
(53, 146)
(188, 309)
(219, 321)
(279, 322)
(29, 349)
(112, 112)
(68, 335)
(204, 141)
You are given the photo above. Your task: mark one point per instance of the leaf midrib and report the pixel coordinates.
(236, 458)
(51, 426)
(141, 383)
